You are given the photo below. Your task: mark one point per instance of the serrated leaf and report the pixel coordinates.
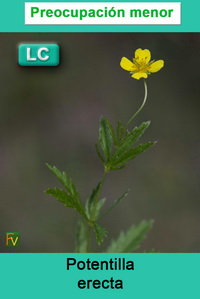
(81, 237)
(98, 153)
(112, 132)
(130, 241)
(100, 205)
(131, 154)
(61, 196)
(101, 233)
(91, 203)
(116, 202)
(65, 180)
(72, 192)
(106, 138)
(130, 139)
(119, 131)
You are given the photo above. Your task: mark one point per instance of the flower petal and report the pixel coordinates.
(156, 66)
(139, 75)
(127, 65)
(142, 56)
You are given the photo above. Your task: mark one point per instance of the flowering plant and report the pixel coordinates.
(115, 148)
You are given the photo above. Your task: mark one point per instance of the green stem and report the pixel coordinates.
(143, 103)
(89, 237)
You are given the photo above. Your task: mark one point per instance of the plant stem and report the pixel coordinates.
(143, 103)
(89, 237)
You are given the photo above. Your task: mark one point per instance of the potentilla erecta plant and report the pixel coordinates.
(116, 146)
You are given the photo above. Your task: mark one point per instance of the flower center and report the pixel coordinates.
(142, 65)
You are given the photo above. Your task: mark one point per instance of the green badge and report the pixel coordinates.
(38, 55)
(12, 239)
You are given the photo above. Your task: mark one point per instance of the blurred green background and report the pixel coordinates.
(52, 115)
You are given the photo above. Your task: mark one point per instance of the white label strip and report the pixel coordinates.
(102, 13)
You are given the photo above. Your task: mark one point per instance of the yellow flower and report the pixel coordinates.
(141, 66)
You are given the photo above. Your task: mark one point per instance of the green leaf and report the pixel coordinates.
(116, 202)
(65, 180)
(151, 251)
(91, 203)
(106, 138)
(61, 196)
(119, 132)
(130, 139)
(131, 154)
(117, 168)
(81, 237)
(98, 153)
(100, 205)
(101, 233)
(130, 241)
(72, 193)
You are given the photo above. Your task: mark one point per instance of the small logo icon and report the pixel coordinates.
(12, 239)
(38, 54)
